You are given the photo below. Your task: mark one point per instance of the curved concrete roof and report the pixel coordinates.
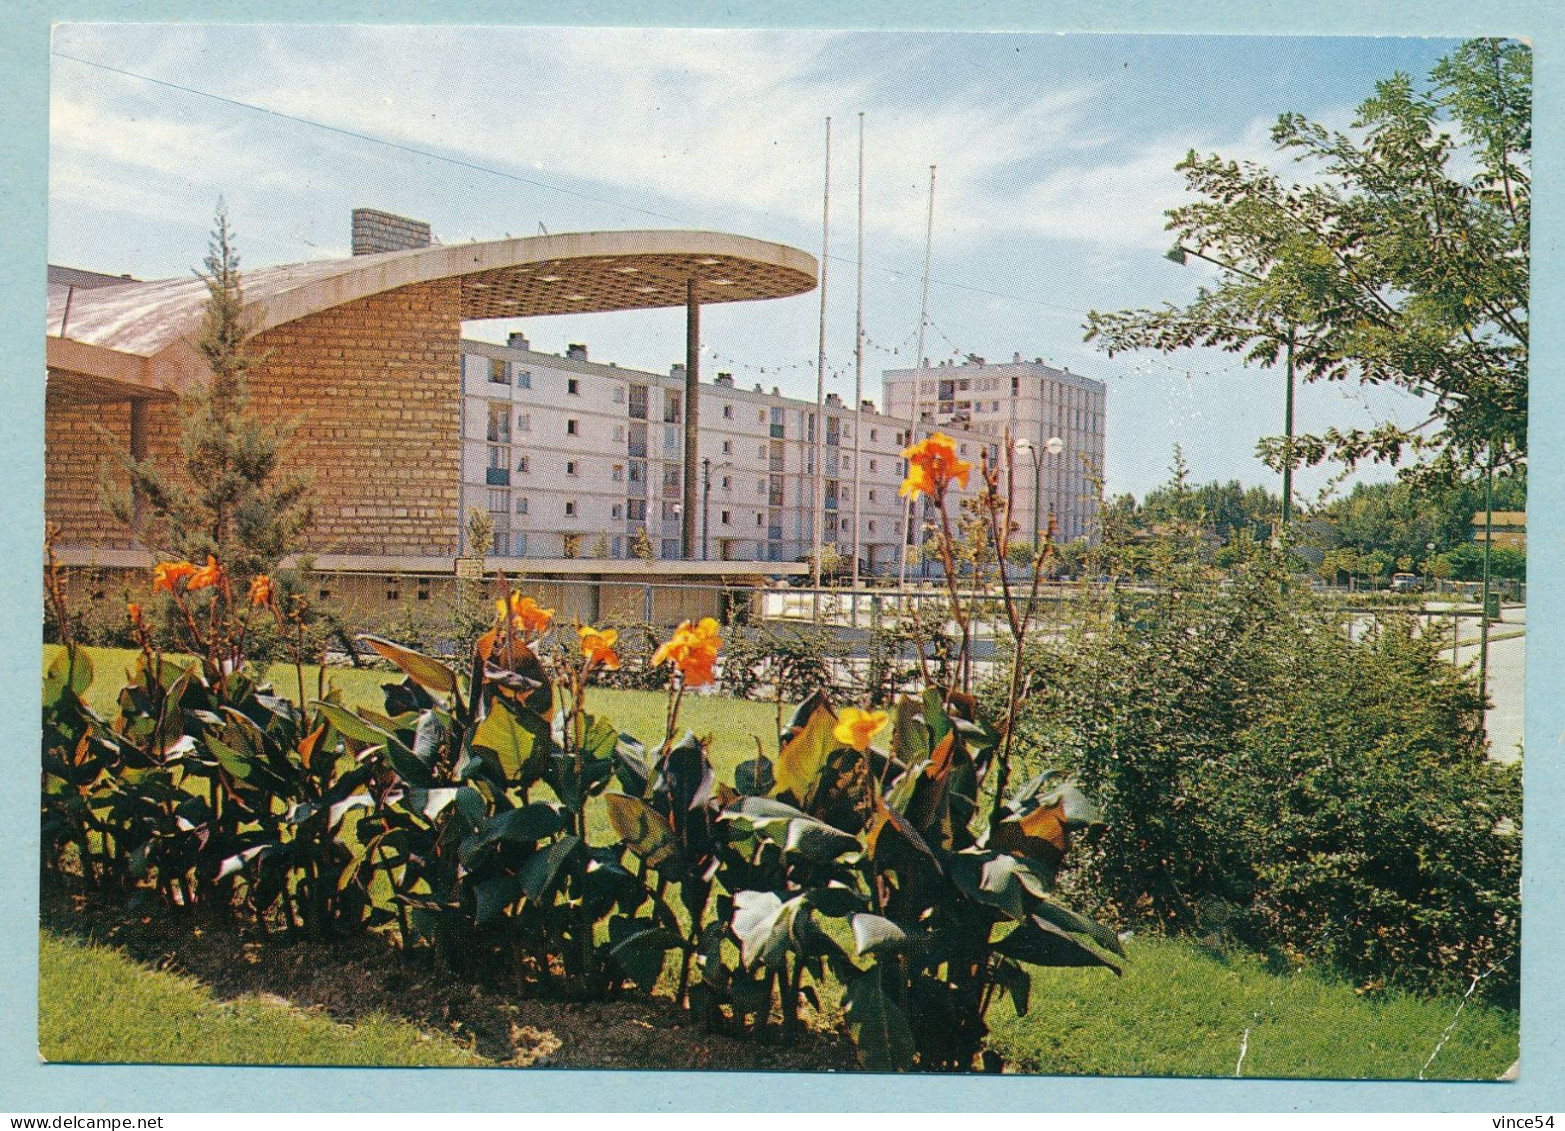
(137, 336)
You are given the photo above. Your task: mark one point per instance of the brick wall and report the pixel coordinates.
(373, 387)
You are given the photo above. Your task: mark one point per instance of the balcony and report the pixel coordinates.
(497, 476)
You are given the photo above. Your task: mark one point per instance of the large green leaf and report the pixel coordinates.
(530, 822)
(805, 751)
(1039, 942)
(350, 726)
(879, 1027)
(909, 736)
(541, 873)
(875, 933)
(423, 670)
(817, 841)
(755, 777)
(1069, 920)
(641, 827)
(762, 923)
(62, 673)
(1015, 980)
(493, 896)
(640, 947)
(793, 829)
(512, 742)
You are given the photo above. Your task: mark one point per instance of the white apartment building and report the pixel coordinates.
(576, 459)
(1037, 403)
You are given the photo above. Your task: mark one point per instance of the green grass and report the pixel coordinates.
(1182, 1011)
(97, 1006)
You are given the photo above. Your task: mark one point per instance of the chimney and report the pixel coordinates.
(1016, 358)
(677, 371)
(518, 340)
(724, 381)
(577, 351)
(375, 231)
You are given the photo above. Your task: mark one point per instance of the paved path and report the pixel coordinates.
(1506, 719)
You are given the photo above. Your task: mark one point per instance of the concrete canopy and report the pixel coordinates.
(136, 339)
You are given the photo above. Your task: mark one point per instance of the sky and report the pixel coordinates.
(1054, 159)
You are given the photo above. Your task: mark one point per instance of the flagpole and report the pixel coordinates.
(818, 525)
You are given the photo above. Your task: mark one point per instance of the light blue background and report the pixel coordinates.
(26, 1086)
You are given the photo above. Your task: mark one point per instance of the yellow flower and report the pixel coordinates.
(261, 590)
(168, 575)
(208, 575)
(932, 465)
(598, 646)
(693, 650)
(526, 616)
(855, 727)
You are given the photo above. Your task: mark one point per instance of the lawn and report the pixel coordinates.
(97, 1006)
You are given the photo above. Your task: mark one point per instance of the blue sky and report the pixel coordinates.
(1055, 160)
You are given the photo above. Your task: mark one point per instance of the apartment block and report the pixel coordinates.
(573, 458)
(1036, 403)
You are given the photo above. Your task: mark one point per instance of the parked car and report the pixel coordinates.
(1405, 583)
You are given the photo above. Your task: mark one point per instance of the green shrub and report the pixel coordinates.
(1271, 771)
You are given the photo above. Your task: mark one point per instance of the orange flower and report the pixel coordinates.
(932, 465)
(855, 727)
(261, 590)
(168, 575)
(598, 646)
(208, 575)
(693, 650)
(526, 616)
(133, 611)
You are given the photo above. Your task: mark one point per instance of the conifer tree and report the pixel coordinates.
(229, 493)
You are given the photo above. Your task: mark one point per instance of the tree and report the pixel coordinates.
(229, 494)
(1402, 260)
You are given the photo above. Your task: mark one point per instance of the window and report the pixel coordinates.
(728, 447)
(636, 510)
(760, 486)
(671, 403)
(524, 378)
(617, 510)
(727, 518)
(524, 422)
(872, 494)
(573, 386)
(872, 526)
(423, 589)
(498, 542)
(619, 394)
(728, 483)
(874, 434)
(760, 416)
(521, 465)
(638, 402)
(618, 473)
(499, 500)
(638, 471)
(570, 508)
(760, 451)
(393, 593)
(499, 371)
(728, 412)
(519, 540)
(872, 466)
(760, 519)
(571, 467)
(499, 431)
(521, 504)
(572, 427)
(619, 433)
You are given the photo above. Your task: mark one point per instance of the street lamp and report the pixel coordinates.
(1054, 446)
(1178, 254)
(706, 500)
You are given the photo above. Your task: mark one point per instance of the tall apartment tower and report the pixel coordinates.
(1037, 403)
